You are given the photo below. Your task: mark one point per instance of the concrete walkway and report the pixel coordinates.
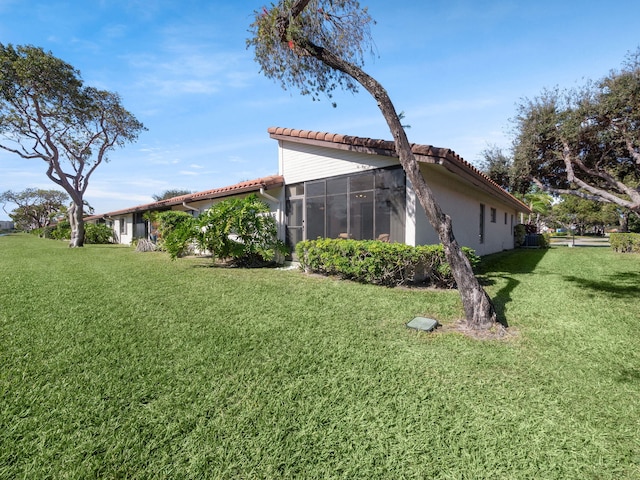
(580, 242)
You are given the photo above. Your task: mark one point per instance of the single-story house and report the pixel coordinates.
(340, 186)
(129, 223)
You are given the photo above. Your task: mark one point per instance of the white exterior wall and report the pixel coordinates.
(462, 202)
(123, 238)
(302, 162)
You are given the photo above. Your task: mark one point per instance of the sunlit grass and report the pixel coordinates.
(128, 365)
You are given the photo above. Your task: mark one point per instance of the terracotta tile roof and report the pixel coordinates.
(424, 153)
(267, 183)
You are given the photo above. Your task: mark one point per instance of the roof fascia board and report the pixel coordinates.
(337, 146)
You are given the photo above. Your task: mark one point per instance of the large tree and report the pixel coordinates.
(35, 208)
(47, 113)
(497, 165)
(586, 141)
(317, 46)
(582, 214)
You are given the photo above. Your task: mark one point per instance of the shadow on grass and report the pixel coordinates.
(620, 285)
(503, 266)
(629, 375)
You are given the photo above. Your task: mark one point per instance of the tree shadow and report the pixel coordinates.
(502, 298)
(502, 267)
(619, 285)
(629, 375)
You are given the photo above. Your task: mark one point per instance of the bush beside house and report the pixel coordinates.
(240, 231)
(380, 263)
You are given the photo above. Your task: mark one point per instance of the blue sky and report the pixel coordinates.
(457, 68)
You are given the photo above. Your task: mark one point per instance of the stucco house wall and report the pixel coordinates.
(463, 204)
(307, 158)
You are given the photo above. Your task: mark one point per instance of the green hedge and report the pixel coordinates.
(380, 263)
(625, 242)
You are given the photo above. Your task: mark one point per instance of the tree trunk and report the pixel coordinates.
(624, 222)
(76, 219)
(479, 310)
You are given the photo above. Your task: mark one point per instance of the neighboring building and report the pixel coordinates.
(6, 225)
(340, 186)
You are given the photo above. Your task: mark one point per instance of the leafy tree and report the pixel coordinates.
(497, 165)
(170, 194)
(36, 208)
(318, 46)
(540, 204)
(47, 113)
(582, 214)
(584, 142)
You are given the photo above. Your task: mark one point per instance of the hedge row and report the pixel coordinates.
(380, 263)
(625, 242)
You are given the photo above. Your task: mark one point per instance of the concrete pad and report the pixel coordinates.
(423, 323)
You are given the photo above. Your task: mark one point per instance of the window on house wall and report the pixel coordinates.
(481, 232)
(505, 218)
(362, 206)
(494, 215)
(123, 226)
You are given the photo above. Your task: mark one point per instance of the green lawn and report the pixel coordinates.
(117, 364)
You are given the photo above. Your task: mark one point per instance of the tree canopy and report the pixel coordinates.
(586, 141)
(318, 46)
(497, 165)
(170, 194)
(36, 208)
(288, 37)
(583, 214)
(47, 113)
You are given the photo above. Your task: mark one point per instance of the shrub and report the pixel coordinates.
(544, 240)
(241, 230)
(179, 240)
(97, 234)
(380, 263)
(519, 234)
(625, 242)
(60, 231)
(169, 220)
(172, 227)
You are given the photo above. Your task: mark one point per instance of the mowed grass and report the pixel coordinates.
(117, 364)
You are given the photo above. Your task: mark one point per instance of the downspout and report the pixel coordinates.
(184, 204)
(269, 197)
